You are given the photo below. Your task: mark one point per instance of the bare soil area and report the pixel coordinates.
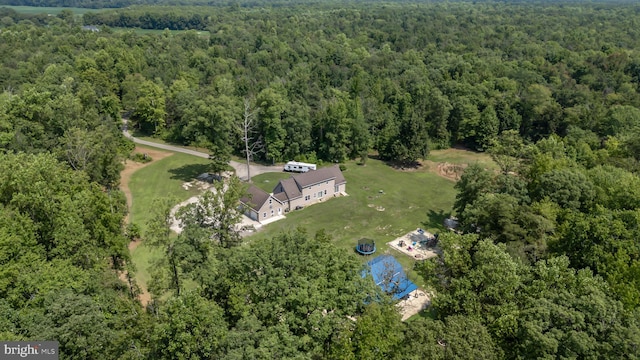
(415, 302)
(446, 170)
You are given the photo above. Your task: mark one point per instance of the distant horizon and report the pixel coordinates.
(120, 4)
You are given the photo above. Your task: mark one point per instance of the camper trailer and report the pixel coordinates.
(294, 166)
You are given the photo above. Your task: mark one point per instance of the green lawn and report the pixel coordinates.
(268, 181)
(47, 10)
(142, 258)
(410, 200)
(163, 178)
(459, 156)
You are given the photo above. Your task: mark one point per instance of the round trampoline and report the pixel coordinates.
(366, 246)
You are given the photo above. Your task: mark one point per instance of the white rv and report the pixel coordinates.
(300, 167)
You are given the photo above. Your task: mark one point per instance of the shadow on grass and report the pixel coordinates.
(189, 172)
(398, 165)
(436, 219)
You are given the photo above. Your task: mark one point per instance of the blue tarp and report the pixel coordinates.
(389, 275)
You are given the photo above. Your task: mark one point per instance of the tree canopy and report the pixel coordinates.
(547, 266)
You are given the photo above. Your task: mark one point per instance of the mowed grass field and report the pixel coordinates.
(458, 156)
(268, 181)
(47, 10)
(383, 204)
(161, 179)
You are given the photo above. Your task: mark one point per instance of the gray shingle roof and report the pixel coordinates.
(255, 197)
(290, 188)
(282, 197)
(320, 175)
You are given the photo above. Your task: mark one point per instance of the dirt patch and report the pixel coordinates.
(451, 171)
(130, 167)
(197, 184)
(143, 296)
(415, 302)
(446, 170)
(134, 244)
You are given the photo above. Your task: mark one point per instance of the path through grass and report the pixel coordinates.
(161, 179)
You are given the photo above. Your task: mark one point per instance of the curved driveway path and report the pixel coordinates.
(241, 169)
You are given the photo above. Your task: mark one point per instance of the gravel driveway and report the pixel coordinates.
(240, 168)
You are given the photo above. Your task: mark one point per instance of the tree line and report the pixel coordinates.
(148, 20)
(293, 296)
(337, 83)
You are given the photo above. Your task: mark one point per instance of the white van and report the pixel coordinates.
(300, 167)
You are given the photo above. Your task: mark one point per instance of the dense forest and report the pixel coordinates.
(103, 4)
(548, 265)
(100, 4)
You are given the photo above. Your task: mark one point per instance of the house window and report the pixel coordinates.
(270, 201)
(319, 194)
(336, 188)
(264, 215)
(271, 212)
(307, 198)
(325, 192)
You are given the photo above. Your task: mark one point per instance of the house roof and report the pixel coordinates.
(282, 197)
(255, 197)
(320, 175)
(291, 189)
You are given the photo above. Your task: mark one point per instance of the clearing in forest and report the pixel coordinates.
(141, 183)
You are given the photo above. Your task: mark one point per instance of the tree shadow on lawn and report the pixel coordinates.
(436, 219)
(398, 165)
(189, 172)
